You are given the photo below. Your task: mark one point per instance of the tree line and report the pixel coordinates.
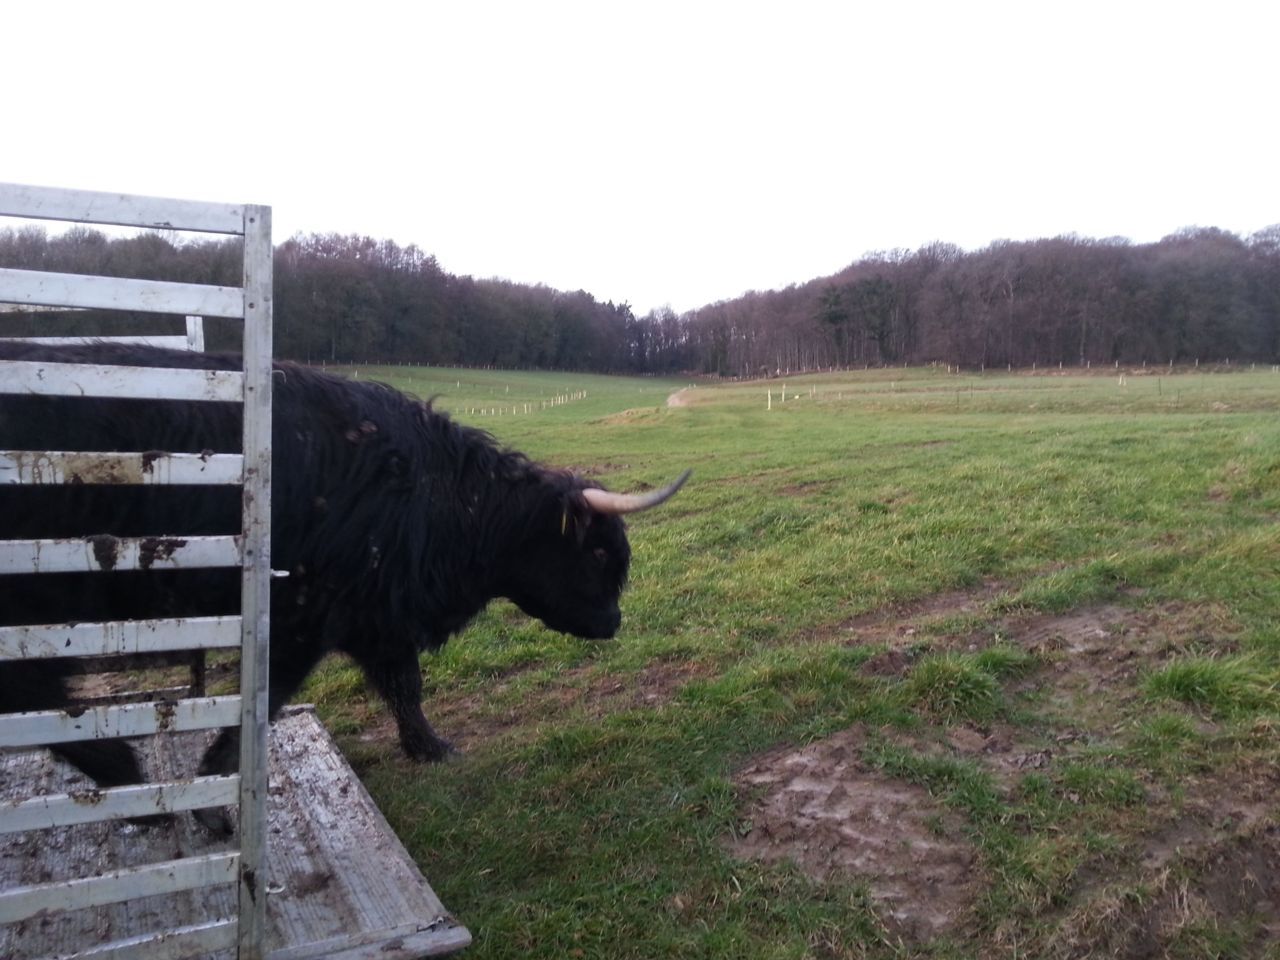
(1201, 294)
(339, 299)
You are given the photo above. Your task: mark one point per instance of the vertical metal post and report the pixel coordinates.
(256, 581)
(195, 334)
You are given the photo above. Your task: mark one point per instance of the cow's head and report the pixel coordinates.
(572, 567)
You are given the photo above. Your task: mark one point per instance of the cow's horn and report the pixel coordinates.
(605, 502)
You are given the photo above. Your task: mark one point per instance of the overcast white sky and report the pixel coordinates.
(659, 152)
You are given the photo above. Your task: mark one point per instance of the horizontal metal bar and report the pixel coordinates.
(180, 943)
(137, 696)
(118, 637)
(146, 383)
(107, 553)
(57, 466)
(170, 876)
(126, 720)
(173, 342)
(120, 293)
(119, 209)
(19, 308)
(141, 800)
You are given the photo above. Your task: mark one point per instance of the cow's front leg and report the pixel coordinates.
(110, 763)
(41, 686)
(286, 675)
(398, 679)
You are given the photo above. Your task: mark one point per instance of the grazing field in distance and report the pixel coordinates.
(917, 664)
(473, 394)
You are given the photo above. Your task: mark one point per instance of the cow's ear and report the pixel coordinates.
(575, 518)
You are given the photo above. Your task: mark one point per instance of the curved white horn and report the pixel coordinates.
(605, 502)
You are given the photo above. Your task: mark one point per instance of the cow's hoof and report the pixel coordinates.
(433, 751)
(215, 820)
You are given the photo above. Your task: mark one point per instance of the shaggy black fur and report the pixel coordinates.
(396, 526)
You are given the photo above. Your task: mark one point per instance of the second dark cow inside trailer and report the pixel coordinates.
(395, 525)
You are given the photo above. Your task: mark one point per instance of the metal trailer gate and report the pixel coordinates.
(378, 879)
(250, 303)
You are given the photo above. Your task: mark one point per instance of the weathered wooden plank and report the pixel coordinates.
(119, 209)
(407, 942)
(106, 553)
(315, 793)
(42, 467)
(145, 881)
(179, 943)
(125, 720)
(42, 288)
(121, 637)
(355, 898)
(117, 803)
(146, 383)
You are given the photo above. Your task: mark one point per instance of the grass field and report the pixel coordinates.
(916, 665)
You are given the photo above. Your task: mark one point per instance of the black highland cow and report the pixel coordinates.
(395, 524)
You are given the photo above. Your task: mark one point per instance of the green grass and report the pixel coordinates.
(954, 686)
(1228, 685)
(499, 397)
(587, 819)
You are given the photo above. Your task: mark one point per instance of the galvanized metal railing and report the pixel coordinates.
(192, 340)
(249, 550)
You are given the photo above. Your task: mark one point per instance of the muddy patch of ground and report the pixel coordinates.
(1089, 665)
(899, 623)
(597, 469)
(1174, 626)
(806, 488)
(1214, 899)
(823, 810)
(1092, 662)
(1081, 653)
(903, 625)
(1191, 861)
(999, 748)
(510, 705)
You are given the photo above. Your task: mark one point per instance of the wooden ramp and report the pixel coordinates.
(339, 882)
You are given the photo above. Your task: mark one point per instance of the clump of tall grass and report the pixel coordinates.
(1221, 685)
(955, 686)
